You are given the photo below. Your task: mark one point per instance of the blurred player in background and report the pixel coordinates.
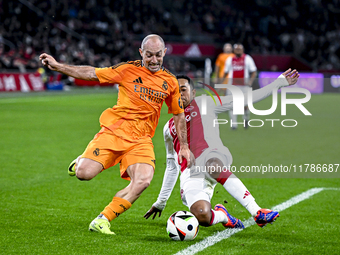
(127, 128)
(220, 63)
(241, 71)
(212, 160)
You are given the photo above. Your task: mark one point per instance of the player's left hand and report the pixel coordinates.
(153, 211)
(291, 76)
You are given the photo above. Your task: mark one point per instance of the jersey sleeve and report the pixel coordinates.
(171, 172)
(251, 64)
(174, 101)
(255, 96)
(109, 75)
(227, 67)
(218, 61)
(227, 104)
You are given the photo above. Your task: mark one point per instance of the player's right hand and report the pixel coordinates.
(185, 152)
(48, 61)
(291, 76)
(153, 211)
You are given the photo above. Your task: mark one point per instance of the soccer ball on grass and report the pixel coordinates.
(182, 226)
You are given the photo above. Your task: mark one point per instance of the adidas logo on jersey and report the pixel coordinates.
(138, 80)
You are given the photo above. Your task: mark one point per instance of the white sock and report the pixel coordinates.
(252, 208)
(218, 217)
(236, 188)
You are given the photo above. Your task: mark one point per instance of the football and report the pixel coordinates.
(182, 226)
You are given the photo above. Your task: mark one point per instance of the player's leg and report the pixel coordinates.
(195, 197)
(246, 115)
(199, 203)
(233, 120)
(95, 158)
(86, 169)
(138, 166)
(202, 211)
(196, 193)
(232, 117)
(141, 175)
(231, 183)
(238, 190)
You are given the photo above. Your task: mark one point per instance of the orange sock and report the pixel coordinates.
(115, 208)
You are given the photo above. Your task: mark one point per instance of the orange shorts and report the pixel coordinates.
(109, 150)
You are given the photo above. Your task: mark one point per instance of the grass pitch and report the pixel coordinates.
(44, 211)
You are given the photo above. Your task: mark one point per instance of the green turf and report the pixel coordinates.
(44, 211)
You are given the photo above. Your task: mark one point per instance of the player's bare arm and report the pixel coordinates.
(217, 71)
(224, 77)
(252, 78)
(181, 129)
(79, 72)
(291, 76)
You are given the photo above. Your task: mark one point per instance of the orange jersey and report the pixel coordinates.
(220, 62)
(140, 99)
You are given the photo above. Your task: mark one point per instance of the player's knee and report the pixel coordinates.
(141, 184)
(145, 183)
(87, 169)
(203, 214)
(141, 176)
(84, 174)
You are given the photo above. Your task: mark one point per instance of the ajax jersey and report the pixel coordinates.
(202, 134)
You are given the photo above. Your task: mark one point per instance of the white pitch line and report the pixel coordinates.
(219, 236)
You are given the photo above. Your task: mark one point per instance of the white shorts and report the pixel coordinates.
(196, 183)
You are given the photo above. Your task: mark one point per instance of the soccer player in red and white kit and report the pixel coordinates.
(197, 183)
(242, 71)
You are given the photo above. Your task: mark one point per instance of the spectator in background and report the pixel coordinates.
(242, 71)
(265, 27)
(220, 63)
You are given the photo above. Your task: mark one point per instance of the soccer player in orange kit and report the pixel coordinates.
(220, 63)
(127, 128)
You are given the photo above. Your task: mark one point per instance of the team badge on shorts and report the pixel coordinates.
(96, 152)
(165, 85)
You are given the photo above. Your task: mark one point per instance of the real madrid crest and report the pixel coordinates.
(165, 85)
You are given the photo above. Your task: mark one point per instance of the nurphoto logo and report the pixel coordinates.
(238, 102)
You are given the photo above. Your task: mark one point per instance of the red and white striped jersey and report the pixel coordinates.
(200, 129)
(239, 69)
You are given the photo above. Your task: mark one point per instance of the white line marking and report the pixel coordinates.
(219, 236)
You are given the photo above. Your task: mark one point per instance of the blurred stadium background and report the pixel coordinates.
(303, 34)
